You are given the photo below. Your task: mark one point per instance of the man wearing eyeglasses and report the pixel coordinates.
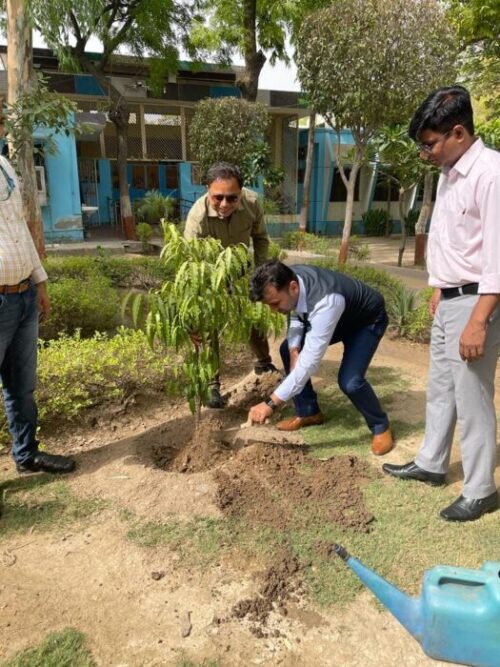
(463, 260)
(232, 214)
(23, 303)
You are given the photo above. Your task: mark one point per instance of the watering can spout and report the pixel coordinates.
(406, 609)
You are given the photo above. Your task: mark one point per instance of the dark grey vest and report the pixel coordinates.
(363, 304)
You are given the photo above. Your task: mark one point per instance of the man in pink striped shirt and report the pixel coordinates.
(23, 302)
(463, 260)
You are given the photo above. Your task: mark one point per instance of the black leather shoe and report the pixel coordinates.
(260, 369)
(43, 462)
(412, 471)
(215, 400)
(468, 509)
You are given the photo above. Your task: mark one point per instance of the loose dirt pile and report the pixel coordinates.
(280, 486)
(281, 582)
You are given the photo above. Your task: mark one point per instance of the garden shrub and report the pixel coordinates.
(376, 278)
(297, 240)
(89, 305)
(133, 272)
(75, 374)
(376, 221)
(419, 322)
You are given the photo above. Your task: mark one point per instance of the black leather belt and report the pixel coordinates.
(453, 292)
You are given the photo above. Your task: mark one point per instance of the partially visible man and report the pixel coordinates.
(232, 214)
(23, 302)
(324, 307)
(463, 260)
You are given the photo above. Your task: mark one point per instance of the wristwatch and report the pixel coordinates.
(270, 403)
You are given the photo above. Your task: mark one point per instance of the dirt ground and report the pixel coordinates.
(141, 606)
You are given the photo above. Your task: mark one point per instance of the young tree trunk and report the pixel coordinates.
(425, 211)
(306, 196)
(21, 79)
(402, 243)
(254, 59)
(346, 233)
(120, 117)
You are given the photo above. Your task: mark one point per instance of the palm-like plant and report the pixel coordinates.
(154, 207)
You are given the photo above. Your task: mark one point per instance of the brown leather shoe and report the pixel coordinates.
(382, 443)
(294, 423)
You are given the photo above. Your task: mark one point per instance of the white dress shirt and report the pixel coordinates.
(464, 237)
(18, 256)
(323, 319)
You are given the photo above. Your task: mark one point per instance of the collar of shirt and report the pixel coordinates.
(464, 165)
(301, 306)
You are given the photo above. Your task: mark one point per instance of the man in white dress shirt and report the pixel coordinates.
(23, 302)
(325, 307)
(463, 260)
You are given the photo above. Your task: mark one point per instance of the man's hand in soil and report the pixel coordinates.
(259, 413)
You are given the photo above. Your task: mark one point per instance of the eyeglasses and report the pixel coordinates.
(231, 199)
(7, 185)
(429, 147)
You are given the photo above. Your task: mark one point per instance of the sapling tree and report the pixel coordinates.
(207, 297)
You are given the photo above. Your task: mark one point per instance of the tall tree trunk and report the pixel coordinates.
(425, 212)
(254, 59)
(402, 243)
(21, 79)
(306, 196)
(349, 206)
(120, 114)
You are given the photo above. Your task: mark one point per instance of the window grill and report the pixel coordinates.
(163, 133)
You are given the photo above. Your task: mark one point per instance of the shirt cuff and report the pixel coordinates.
(38, 275)
(489, 284)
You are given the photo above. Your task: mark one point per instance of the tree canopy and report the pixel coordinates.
(232, 130)
(368, 63)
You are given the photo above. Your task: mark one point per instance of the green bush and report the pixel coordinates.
(376, 221)
(154, 207)
(89, 305)
(297, 240)
(126, 272)
(419, 322)
(276, 251)
(75, 374)
(358, 249)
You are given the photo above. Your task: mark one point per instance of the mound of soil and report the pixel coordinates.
(280, 486)
(279, 583)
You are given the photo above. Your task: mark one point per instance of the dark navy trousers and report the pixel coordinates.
(359, 348)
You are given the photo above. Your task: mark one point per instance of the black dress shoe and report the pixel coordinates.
(269, 367)
(468, 509)
(215, 400)
(43, 462)
(412, 471)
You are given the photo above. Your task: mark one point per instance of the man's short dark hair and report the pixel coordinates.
(442, 110)
(271, 274)
(223, 171)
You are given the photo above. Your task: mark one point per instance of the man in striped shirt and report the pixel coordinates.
(23, 303)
